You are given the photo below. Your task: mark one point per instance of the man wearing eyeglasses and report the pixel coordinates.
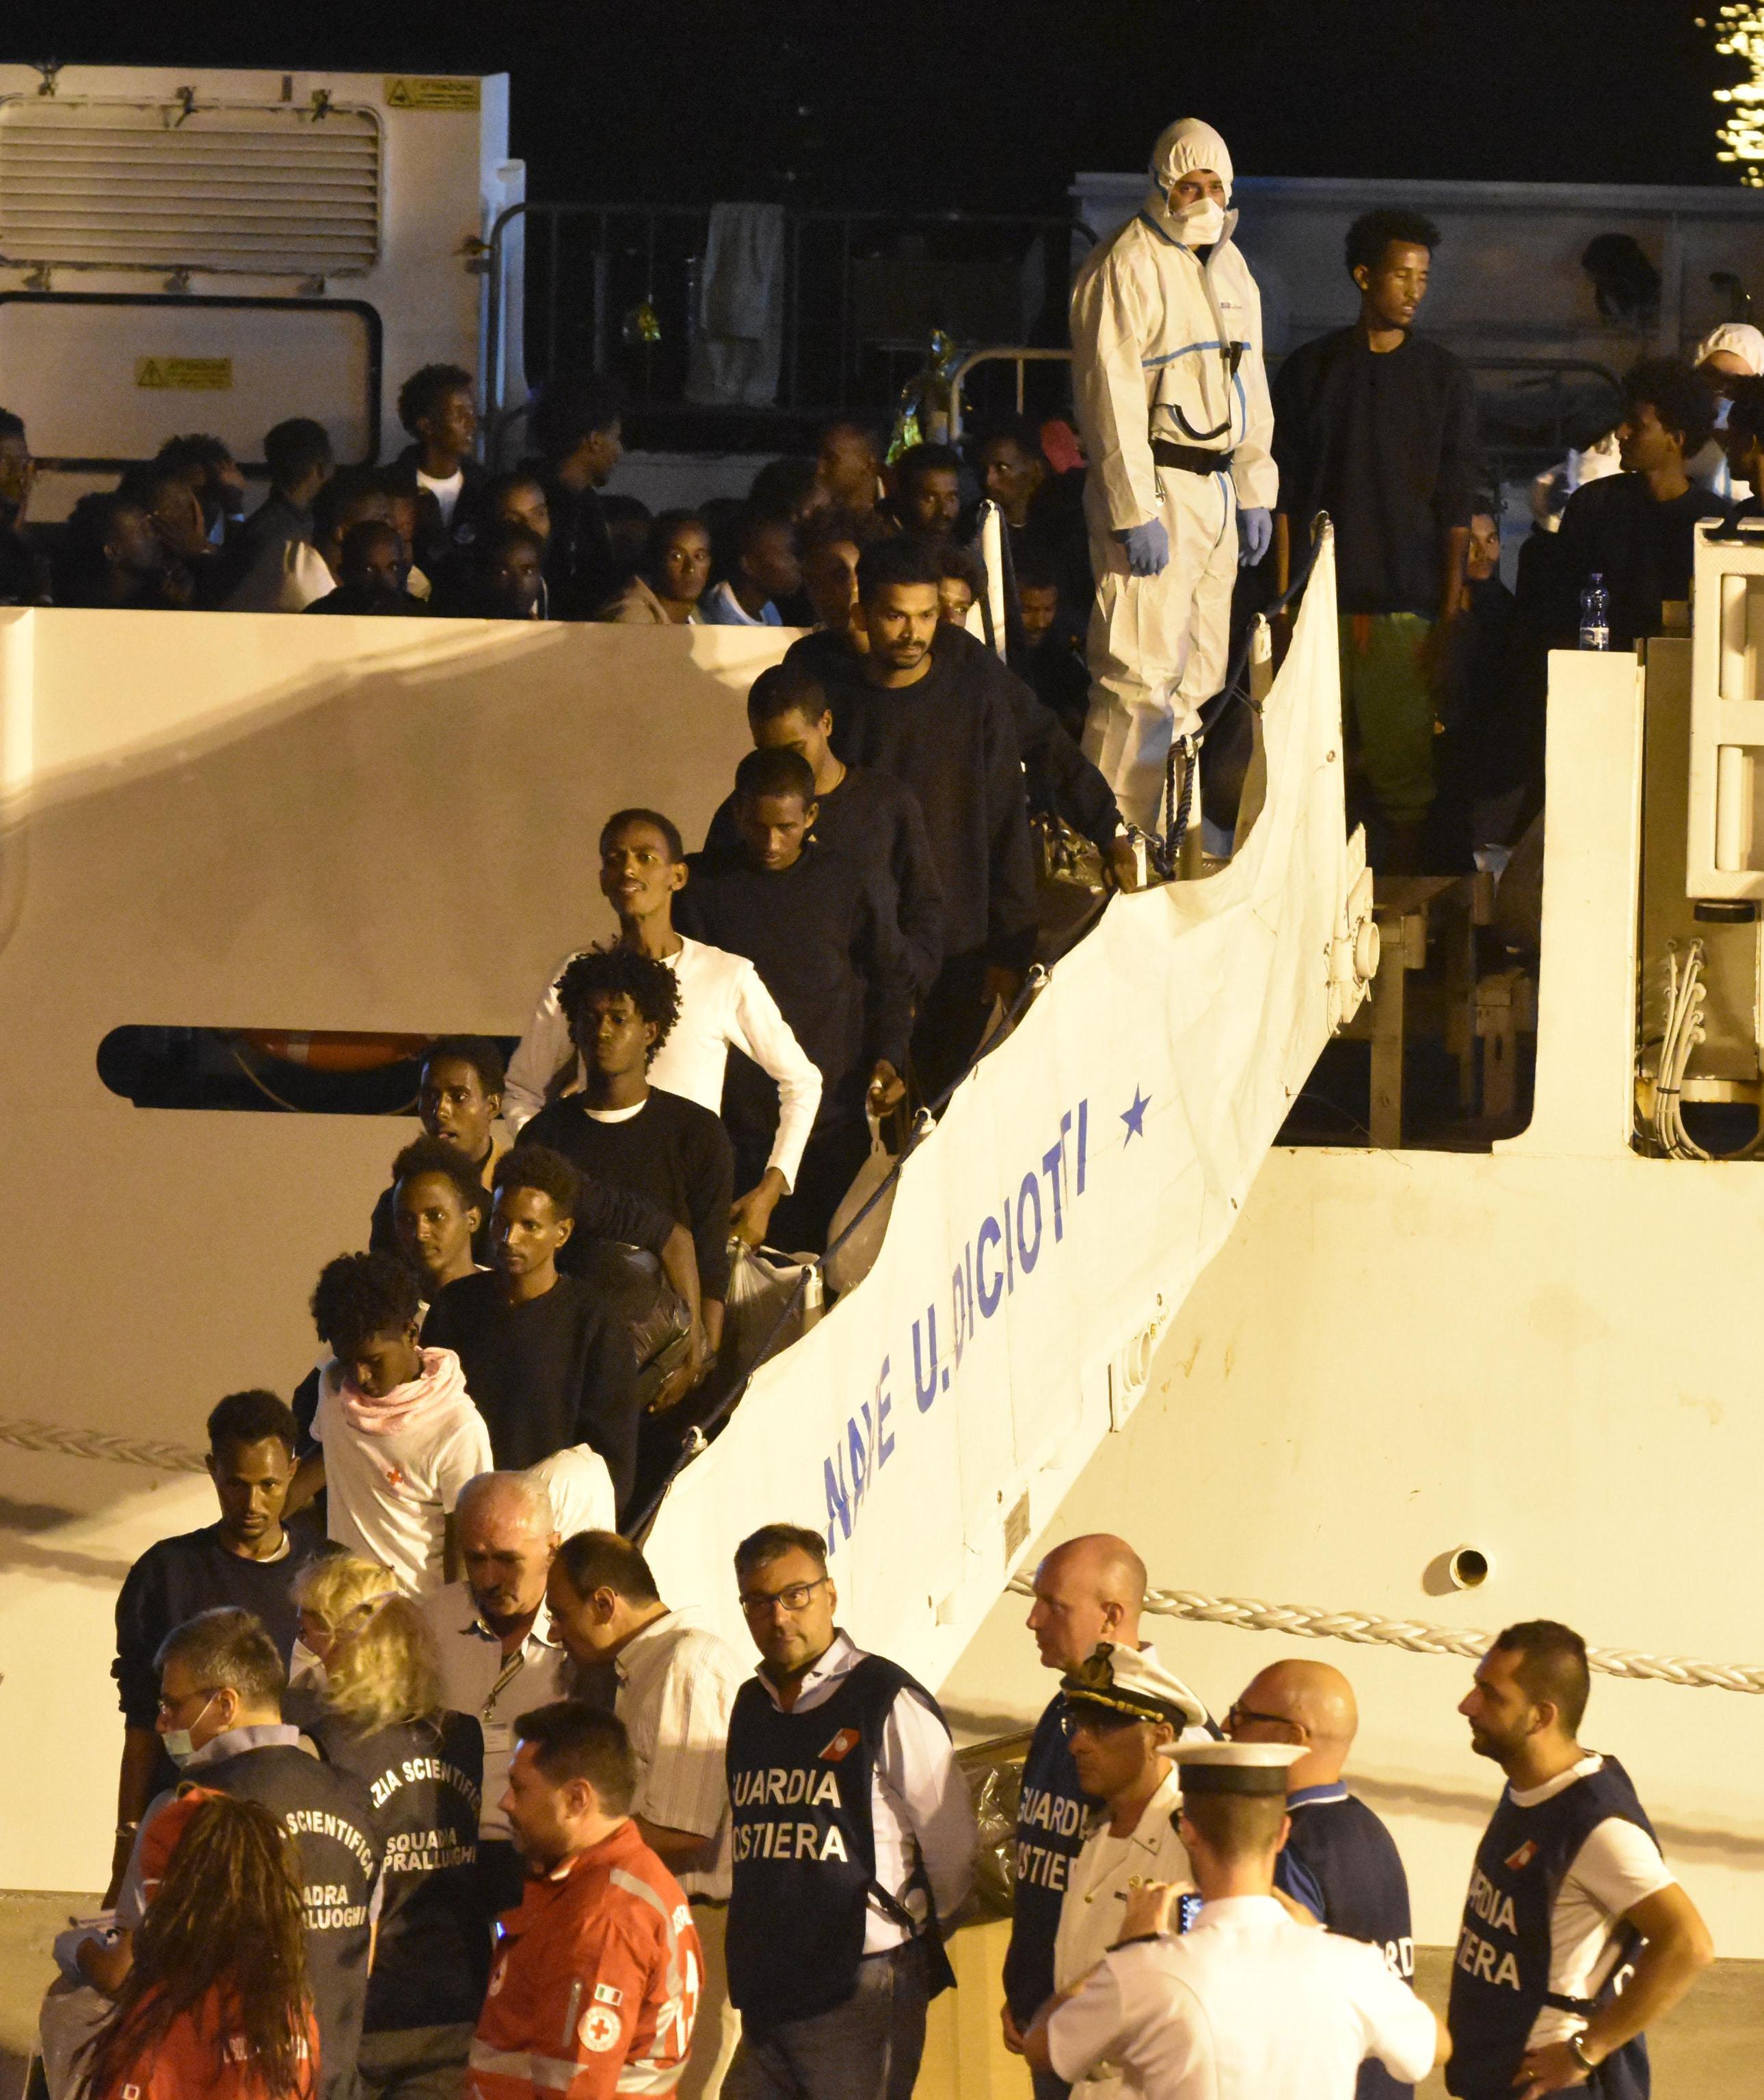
(1339, 1861)
(853, 1841)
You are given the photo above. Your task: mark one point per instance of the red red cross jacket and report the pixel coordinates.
(595, 1986)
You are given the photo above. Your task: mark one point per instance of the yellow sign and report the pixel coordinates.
(405, 91)
(185, 375)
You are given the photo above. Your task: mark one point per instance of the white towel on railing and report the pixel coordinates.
(738, 351)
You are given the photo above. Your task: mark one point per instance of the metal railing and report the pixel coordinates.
(615, 288)
(1540, 439)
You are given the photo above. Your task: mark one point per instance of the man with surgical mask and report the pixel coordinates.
(221, 1685)
(1173, 402)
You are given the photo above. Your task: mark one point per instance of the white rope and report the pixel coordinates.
(96, 1444)
(1251, 1616)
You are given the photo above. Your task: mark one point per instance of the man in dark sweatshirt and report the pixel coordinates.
(935, 709)
(864, 815)
(547, 1358)
(825, 941)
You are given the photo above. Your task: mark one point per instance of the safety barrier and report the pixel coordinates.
(1368, 1628)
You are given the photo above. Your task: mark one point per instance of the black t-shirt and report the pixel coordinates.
(871, 819)
(425, 1779)
(1386, 443)
(1643, 549)
(672, 1151)
(556, 1371)
(951, 740)
(828, 948)
(192, 1572)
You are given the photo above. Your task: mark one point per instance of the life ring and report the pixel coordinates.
(333, 1050)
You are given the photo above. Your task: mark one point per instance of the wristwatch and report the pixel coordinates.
(1578, 2050)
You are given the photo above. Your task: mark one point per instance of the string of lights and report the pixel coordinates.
(1739, 34)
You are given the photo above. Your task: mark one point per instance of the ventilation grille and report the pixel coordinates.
(269, 191)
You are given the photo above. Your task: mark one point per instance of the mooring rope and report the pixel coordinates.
(96, 1444)
(1252, 1616)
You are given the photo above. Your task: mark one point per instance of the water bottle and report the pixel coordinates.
(1595, 615)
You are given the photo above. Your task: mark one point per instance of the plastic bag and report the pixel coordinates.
(850, 1260)
(761, 1285)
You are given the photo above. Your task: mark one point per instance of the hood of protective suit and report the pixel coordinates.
(1181, 147)
(1739, 339)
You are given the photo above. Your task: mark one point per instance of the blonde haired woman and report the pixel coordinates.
(380, 1717)
(330, 1596)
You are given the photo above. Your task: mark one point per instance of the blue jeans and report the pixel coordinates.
(867, 2049)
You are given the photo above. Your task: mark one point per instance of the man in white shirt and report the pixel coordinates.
(1576, 1936)
(1246, 2004)
(497, 1651)
(852, 1844)
(723, 1007)
(677, 1684)
(400, 1435)
(1124, 1713)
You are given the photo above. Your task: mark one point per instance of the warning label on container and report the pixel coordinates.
(407, 91)
(186, 375)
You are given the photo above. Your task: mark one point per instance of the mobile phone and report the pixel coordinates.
(1187, 1910)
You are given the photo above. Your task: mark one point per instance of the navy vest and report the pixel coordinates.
(1050, 1814)
(431, 1962)
(803, 1850)
(330, 1818)
(1501, 1972)
(1343, 1865)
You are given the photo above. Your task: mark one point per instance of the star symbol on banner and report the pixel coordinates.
(1134, 1117)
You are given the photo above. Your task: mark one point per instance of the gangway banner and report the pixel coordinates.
(1078, 1182)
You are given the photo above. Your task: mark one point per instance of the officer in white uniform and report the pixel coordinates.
(1124, 1714)
(1248, 2004)
(1173, 402)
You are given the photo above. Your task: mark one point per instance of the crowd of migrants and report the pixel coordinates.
(1443, 665)
(423, 1783)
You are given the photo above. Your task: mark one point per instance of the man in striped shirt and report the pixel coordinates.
(677, 1682)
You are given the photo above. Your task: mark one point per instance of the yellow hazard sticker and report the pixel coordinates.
(185, 375)
(408, 91)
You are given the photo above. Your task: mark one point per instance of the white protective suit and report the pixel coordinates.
(1166, 345)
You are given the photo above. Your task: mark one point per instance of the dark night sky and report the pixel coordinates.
(993, 103)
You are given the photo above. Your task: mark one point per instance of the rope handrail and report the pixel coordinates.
(1369, 1628)
(100, 1444)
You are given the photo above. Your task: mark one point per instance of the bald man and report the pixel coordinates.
(1088, 1590)
(1339, 1861)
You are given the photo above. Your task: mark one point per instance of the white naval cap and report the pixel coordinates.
(1235, 1767)
(1129, 1681)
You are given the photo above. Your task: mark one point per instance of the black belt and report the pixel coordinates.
(1192, 459)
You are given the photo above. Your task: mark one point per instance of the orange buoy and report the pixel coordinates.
(333, 1050)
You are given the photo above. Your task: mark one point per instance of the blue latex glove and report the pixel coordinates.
(1255, 532)
(1147, 547)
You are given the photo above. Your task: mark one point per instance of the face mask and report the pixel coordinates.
(1723, 410)
(1200, 225)
(178, 1747)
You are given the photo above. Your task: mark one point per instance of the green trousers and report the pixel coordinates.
(1387, 708)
